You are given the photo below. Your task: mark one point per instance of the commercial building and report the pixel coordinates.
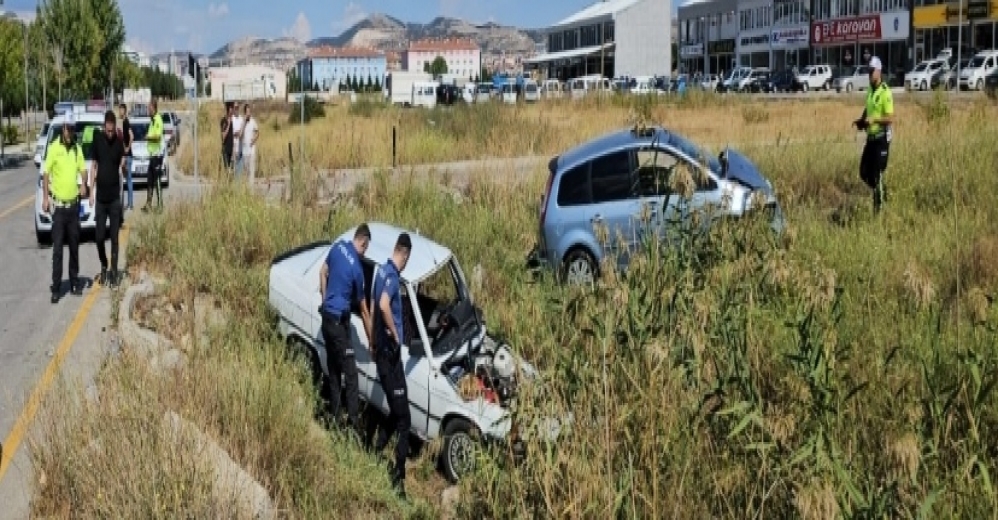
(844, 30)
(968, 26)
(613, 38)
(221, 78)
(326, 68)
(463, 56)
(788, 40)
(708, 32)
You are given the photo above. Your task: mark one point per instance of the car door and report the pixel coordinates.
(657, 206)
(415, 366)
(614, 210)
(679, 213)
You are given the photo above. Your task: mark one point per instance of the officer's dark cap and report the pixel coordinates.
(403, 243)
(109, 117)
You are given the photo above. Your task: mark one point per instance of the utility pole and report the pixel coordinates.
(24, 27)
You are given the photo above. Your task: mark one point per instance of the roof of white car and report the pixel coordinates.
(425, 258)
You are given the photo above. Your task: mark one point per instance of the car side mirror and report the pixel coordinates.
(416, 348)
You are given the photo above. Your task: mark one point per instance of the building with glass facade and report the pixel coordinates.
(964, 27)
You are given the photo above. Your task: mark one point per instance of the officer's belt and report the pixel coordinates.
(881, 134)
(64, 203)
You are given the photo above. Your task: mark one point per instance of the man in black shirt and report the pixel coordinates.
(127, 137)
(227, 140)
(108, 165)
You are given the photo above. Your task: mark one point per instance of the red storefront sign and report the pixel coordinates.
(846, 30)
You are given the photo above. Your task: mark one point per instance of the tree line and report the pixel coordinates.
(71, 51)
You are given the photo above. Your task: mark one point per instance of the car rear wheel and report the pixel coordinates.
(579, 268)
(457, 458)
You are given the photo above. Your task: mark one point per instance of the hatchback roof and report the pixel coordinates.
(615, 140)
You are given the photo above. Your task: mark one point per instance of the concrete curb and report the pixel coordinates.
(231, 483)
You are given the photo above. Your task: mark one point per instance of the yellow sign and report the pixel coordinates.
(951, 13)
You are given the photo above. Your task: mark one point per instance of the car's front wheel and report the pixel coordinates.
(579, 268)
(458, 455)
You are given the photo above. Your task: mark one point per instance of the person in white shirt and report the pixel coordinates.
(237, 145)
(250, 133)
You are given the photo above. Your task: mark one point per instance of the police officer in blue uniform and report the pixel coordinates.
(389, 337)
(342, 286)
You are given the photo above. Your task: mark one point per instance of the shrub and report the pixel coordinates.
(10, 134)
(313, 109)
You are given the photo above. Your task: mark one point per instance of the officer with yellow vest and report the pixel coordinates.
(877, 121)
(62, 183)
(154, 140)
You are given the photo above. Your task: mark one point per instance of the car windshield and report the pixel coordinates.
(976, 62)
(139, 131)
(921, 66)
(84, 135)
(439, 293)
(45, 130)
(694, 152)
(484, 89)
(530, 88)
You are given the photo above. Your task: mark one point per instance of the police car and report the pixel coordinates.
(461, 381)
(84, 125)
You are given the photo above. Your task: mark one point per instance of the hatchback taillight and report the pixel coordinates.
(552, 168)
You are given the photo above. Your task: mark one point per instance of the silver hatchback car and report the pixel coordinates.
(852, 78)
(619, 185)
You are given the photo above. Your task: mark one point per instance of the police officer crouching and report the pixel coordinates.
(877, 119)
(342, 286)
(389, 336)
(62, 186)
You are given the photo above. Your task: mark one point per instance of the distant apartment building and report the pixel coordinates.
(463, 55)
(326, 68)
(138, 58)
(393, 60)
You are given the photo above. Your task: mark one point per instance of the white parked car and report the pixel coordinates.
(446, 349)
(531, 92)
(815, 77)
(920, 78)
(981, 65)
(508, 93)
(81, 122)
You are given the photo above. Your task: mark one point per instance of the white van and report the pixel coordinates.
(483, 92)
(982, 64)
(531, 92)
(582, 86)
(508, 93)
(424, 94)
(920, 78)
(551, 88)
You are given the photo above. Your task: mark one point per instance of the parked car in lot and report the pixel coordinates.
(446, 348)
(614, 180)
(734, 79)
(761, 83)
(784, 81)
(991, 84)
(921, 77)
(815, 77)
(982, 64)
(709, 82)
(852, 78)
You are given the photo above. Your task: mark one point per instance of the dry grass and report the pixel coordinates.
(846, 371)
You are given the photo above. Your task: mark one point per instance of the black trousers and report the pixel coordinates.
(392, 377)
(872, 166)
(342, 365)
(104, 212)
(153, 175)
(227, 156)
(65, 232)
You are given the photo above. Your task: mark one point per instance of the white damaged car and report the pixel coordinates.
(461, 381)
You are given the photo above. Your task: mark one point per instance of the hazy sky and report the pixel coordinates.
(204, 26)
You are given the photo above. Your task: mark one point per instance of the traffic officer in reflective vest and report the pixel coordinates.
(342, 286)
(877, 120)
(389, 338)
(62, 178)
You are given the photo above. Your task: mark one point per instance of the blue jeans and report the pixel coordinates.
(239, 163)
(128, 173)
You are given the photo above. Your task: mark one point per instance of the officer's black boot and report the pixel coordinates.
(398, 484)
(103, 277)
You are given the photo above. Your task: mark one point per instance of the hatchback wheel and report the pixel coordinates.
(579, 268)
(457, 457)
